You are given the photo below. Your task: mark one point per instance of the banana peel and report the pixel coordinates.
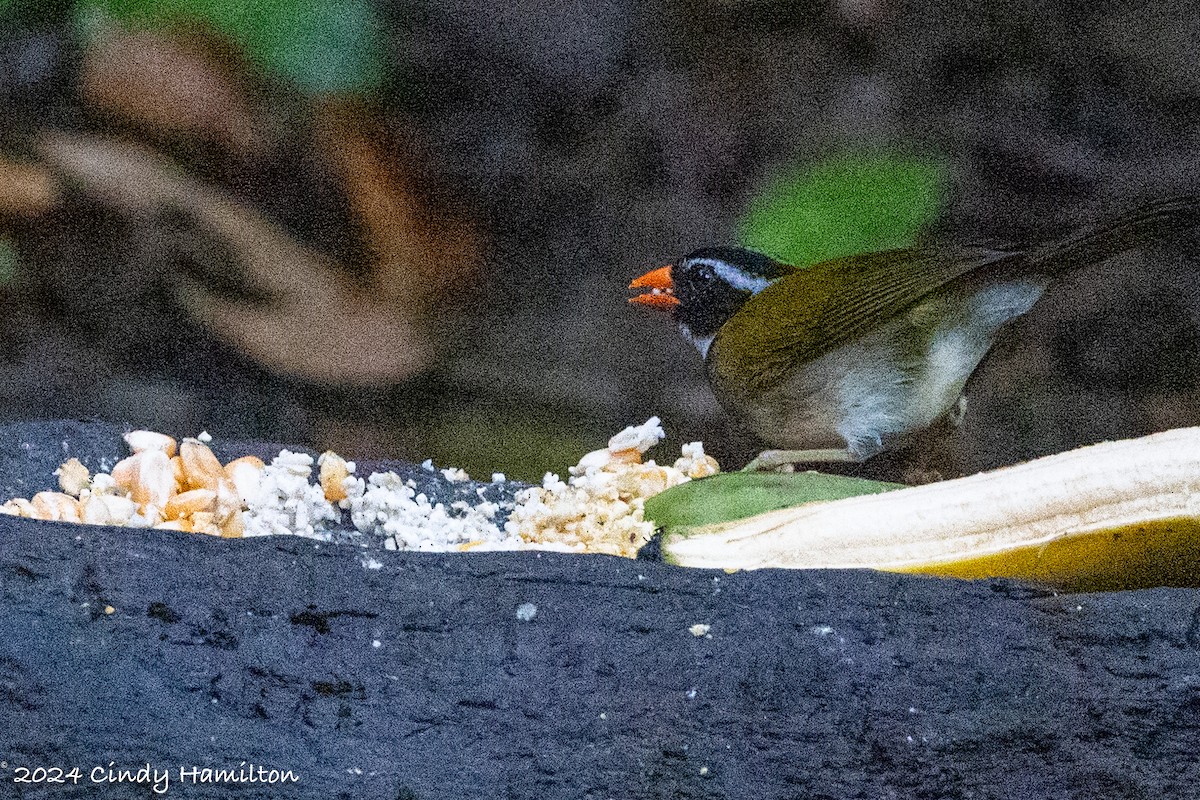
(1117, 515)
(728, 496)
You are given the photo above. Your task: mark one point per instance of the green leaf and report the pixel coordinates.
(322, 45)
(845, 205)
(730, 496)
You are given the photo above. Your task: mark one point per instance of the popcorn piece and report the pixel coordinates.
(19, 507)
(287, 504)
(140, 520)
(152, 514)
(204, 522)
(106, 509)
(203, 471)
(147, 476)
(189, 502)
(180, 474)
(246, 473)
(141, 441)
(695, 463)
(640, 437)
(599, 459)
(152, 487)
(201, 468)
(229, 514)
(104, 484)
(73, 477)
(601, 508)
(455, 475)
(334, 471)
(55, 506)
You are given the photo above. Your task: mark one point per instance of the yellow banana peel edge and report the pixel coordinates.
(1117, 515)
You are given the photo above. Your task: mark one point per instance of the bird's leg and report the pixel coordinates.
(959, 411)
(773, 459)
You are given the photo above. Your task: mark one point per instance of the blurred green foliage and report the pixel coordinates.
(523, 445)
(324, 46)
(730, 496)
(844, 205)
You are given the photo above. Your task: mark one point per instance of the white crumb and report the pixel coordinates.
(286, 503)
(386, 506)
(455, 475)
(638, 437)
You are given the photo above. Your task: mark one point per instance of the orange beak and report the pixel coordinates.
(661, 294)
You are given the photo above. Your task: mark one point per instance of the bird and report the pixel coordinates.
(844, 359)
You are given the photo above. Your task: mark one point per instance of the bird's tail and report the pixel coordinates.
(1092, 245)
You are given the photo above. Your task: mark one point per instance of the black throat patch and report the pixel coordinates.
(713, 283)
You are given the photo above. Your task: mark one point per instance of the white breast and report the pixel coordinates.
(961, 343)
(866, 392)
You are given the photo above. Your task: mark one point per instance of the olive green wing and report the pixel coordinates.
(813, 311)
(1135, 228)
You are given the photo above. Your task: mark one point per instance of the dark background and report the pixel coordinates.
(513, 168)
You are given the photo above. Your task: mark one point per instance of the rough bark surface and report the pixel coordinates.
(418, 678)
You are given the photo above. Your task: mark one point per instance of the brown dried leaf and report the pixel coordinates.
(422, 255)
(316, 325)
(27, 190)
(169, 85)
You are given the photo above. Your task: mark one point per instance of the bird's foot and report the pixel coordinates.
(775, 459)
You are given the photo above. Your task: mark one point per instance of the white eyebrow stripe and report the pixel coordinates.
(735, 277)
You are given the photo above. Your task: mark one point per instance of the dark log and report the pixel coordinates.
(417, 679)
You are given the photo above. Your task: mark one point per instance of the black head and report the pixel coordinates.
(713, 283)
